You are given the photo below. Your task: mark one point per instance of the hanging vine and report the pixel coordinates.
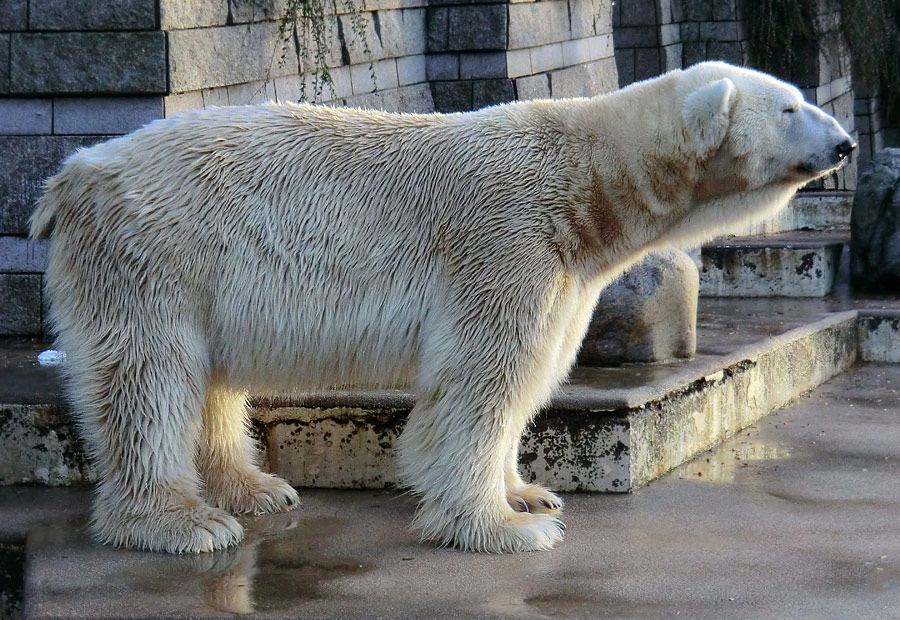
(784, 32)
(306, 24)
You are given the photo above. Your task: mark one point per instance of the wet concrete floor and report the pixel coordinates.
(798, 517)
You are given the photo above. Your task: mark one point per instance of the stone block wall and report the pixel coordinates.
(76, 72)
(486, 53)
(72, 73)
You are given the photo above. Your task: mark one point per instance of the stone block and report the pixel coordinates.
(26, 162)
(625, 66)
(362, 78)
(698, 10)
(729, 51)
(491, 92)
(533, 87)
(648, 315)
(720, 31)
(546, 57)
(669, 34)
(209, 57)
(590, 18)
(451, 96)
(104, 115)
(385, 74)
(639, 13)
(538, 23)
(13, 15)
(672, 57)
(183, 14)
(88, 62)
(173, 104)
(402, 33)
(436, 29)
(477, 27)
(875, 226)
(251, 11)
(4, 63)
(442, 66)
(725, 10)
(518, 62)
(416, 98)
(601, 46)
(92, 15)
(251, 92)
(690, 31)
(482, 65)
(693, 53)
(636, 36)
(219, 96)
(576, 52)
(20, 304)
(26, 116)
(19, 255)
(647, 63)
(585, 80)
(411, 69)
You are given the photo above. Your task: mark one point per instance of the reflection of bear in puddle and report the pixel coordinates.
(290, 567)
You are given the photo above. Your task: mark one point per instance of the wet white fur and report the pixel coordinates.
(277, 247)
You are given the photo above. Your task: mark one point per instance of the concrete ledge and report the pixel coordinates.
(608, 430)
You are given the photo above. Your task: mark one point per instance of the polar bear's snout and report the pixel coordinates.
(832, 144)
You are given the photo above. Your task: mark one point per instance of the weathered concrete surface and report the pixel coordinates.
(807, 210)
(794, 264)
(648, 314)
(879, 336)
(795, 518)
(609, 429)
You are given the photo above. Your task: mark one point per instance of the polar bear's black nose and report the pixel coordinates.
(844, 148)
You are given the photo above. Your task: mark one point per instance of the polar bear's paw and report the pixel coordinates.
(534, 498)
(179, 529)
(253, 492)
(514, 532)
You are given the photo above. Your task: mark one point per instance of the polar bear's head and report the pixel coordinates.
(742, 114)
(747, 140)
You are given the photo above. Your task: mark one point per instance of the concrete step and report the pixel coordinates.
(609, 429)
(787, 264)
(793, 518)
(807, 210)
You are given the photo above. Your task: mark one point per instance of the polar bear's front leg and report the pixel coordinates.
(229, 458)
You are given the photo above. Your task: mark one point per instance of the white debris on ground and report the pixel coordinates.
(51, 357)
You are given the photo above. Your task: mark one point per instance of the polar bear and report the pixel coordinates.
(284, 246)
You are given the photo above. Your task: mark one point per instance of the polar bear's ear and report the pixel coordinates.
(705, 114)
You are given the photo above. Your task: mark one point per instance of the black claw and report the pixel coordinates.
(524, 505)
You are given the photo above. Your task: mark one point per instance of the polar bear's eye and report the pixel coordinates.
(791, 110)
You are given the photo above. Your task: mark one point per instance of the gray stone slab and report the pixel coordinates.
(436, 28)
(482, 65)
(491, 92)
(182, 14)
(442, 66)
(538, 23)
(20, 304)
(104, 115)
(587, 80)
(477, 27)
(533, 87)
(92, 14)
(13, 15)
(95, 62)
(209, 57)
(19, 255)
(22, 117)
(4, 63)
(698, 10)
(879, 336)
(411, 69)
(26, 162)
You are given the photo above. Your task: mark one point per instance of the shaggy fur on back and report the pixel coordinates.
(283, 246)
